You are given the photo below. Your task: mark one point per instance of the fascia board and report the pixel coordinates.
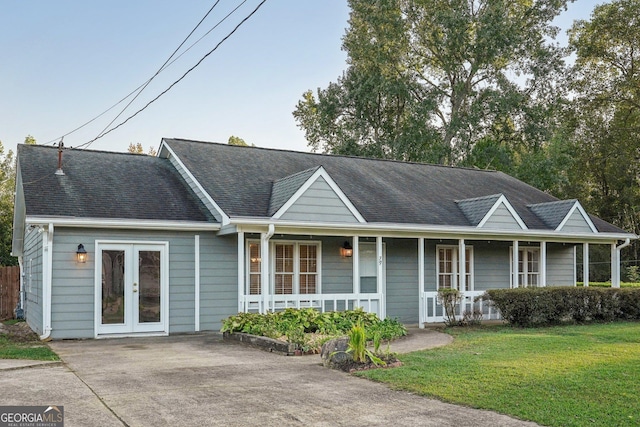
(503, 200)
(257, 225)
(145, 224)
(321, 172)
(223, 215)
(577, 206)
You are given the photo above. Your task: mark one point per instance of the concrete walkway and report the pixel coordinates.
(200, 380)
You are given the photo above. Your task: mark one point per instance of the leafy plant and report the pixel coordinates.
(450, 299)
(357, 346)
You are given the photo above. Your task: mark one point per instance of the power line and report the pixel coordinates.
(167, 65)
(159, 69)
(88, 143)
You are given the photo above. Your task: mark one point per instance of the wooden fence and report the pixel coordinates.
(9, 291)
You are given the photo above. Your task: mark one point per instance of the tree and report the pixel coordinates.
(236, 140)
(605, 117)
(428, 80)
(7, 188)
(139, 149)
(30, 140)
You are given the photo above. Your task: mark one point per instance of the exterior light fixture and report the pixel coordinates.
(346, 250)
(81, 254)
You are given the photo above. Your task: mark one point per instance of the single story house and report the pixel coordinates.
(118, 244)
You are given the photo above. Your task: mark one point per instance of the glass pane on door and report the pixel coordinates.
(149, 294)
(112, 287)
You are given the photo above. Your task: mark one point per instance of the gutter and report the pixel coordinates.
(46, 283)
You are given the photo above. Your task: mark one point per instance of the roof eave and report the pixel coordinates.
(137, 224)
(249, 224)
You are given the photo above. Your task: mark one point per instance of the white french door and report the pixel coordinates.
(131, 288)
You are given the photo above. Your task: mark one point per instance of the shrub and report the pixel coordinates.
(450, 299)
(552, 305)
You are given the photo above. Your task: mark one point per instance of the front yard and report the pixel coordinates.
(17, 341)
(584, 375)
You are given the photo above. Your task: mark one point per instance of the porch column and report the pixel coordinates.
(356, 266)
(462, 265)
(421, 301)
(379, 278)
(241, 263)
(585, 264)
(264, 267)
(615, 267)
(514, 278)
(543, 263)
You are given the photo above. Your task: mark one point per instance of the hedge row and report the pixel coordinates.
(552, 305)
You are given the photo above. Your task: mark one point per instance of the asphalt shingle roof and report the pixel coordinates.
(241, 179)
(475, 209)
(553, 213)
(99, 184)
(284, 188)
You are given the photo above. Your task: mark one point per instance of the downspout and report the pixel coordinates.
(21, 299)
(46, 285)
(626, 243)
(264, 256)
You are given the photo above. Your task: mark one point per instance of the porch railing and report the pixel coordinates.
(433, 312)
(371, 303)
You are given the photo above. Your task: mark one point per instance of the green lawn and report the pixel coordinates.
(22, 346)
(585, 375)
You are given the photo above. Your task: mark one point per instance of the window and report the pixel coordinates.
(294, 268)
(255, 269)
(447, 268)
(528, 267)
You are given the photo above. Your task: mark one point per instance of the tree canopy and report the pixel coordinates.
(431, 80)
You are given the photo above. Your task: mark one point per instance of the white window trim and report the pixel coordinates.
(455, 262)
(247, 265)
(296, 264)
(525, 263)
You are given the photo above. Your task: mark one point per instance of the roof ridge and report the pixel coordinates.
(67, 149)
(334, 155)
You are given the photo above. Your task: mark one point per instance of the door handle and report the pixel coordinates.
(134, 287)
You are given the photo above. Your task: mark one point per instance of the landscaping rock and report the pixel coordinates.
(334, 353)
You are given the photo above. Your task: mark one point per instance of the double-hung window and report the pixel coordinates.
(295, 267)
(528, 267)
(447, 268)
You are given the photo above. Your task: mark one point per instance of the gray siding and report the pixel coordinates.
(319, 203)
(32, 264)
(196, 189)
(576, 224)
(402, 280)
(560, 265)
(337, 271)
(73, 290)
(491, 265)
(218, 280)
(502, 220)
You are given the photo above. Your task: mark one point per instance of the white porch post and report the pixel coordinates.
(543, 263)
(462, 265)
(196, 282)
(585, 264)
(356, 265)
(379, 278)
(421, 315)
(615, 267)
(241, 263)
(264, 269)
(514, 278)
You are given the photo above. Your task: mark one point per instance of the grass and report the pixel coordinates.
(608, 284)
(584, 375)
(21, 347)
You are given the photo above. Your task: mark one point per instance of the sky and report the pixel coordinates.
(65, 62)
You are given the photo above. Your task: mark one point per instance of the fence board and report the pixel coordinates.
(9, 291)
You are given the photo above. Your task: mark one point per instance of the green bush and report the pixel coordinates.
(295, 323)
(552, 305)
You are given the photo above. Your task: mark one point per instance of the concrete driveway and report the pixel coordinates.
(197, 380)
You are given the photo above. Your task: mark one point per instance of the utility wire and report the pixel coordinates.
(88, 143)
(159, 69)
(148, 81)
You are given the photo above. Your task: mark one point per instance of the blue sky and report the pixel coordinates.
(65, 62)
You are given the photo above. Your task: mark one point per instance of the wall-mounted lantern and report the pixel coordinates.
(81, 254)
(346, 250)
